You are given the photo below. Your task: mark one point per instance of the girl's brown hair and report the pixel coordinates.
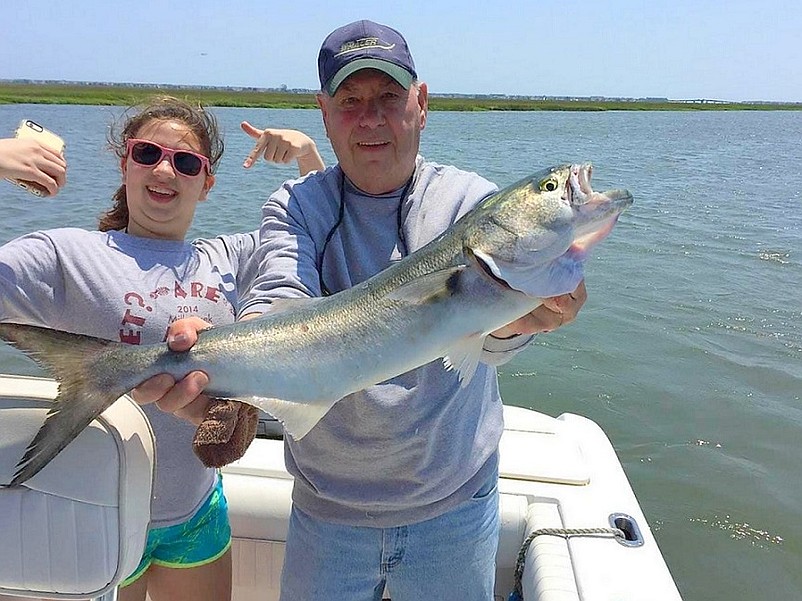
(159, 108)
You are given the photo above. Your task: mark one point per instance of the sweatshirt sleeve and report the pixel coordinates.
(287, 253)
(31, 287)
(497, 351)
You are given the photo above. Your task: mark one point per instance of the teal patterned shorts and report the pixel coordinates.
(200, 540)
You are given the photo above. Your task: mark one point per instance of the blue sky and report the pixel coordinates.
(680, 49)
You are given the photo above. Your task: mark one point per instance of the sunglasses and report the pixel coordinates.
(184, 162)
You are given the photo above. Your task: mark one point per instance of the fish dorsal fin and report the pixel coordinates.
(465, 357)
(297, 418)
(560, 276)
(429, 286)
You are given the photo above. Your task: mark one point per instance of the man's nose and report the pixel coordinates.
(372, 114)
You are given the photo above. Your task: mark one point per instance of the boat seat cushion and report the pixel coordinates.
(78, 527)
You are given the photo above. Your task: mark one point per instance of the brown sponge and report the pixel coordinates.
(225, 433)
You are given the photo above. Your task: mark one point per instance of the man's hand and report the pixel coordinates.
(553, 313)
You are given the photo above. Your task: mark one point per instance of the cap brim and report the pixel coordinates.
(401, 75)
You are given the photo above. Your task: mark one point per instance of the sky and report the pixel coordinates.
(735, 50)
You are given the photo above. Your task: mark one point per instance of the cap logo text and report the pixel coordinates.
(363, 43)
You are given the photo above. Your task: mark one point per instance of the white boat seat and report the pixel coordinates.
(78, 527)
(529, 437)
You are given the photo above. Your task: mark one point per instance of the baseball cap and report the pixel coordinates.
(364, 45)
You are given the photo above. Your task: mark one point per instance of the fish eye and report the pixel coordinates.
(548, 185)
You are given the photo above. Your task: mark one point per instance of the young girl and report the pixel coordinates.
(128, 281)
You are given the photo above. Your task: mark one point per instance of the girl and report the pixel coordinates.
(132, 278)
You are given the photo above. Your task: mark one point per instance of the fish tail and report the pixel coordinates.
(86, 388)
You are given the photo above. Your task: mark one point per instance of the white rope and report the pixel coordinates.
(518, 593)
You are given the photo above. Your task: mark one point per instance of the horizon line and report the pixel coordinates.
(285, 89)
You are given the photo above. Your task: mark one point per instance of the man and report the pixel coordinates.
(397, 483)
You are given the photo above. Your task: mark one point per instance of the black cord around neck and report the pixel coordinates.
(324, 290)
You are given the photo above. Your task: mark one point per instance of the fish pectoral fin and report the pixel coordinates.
(441, 283)
(465, 357)
(297, 417)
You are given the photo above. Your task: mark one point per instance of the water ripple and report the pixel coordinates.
(781, 257)
(688, 352)
(741, 531)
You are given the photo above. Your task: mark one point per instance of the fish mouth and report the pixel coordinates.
(577, 187)
(578, 190)
(597, 212)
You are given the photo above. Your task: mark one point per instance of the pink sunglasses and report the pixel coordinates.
(184, 162)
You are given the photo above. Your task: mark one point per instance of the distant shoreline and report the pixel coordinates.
(128, 94)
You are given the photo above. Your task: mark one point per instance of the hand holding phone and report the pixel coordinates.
(34, 159)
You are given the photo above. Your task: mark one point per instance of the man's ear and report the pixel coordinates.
(208, 184)
(423, 103)
(321, 98)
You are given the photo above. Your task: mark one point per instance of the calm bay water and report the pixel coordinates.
(689, 350)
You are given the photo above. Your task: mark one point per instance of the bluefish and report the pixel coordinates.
(494, 265)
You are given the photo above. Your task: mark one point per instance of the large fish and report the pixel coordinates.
(494, 265)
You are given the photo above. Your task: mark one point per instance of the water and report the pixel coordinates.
(689, 350)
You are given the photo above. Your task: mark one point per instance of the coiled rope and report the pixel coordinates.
(518, 594)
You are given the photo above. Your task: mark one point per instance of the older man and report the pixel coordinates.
(397, 484)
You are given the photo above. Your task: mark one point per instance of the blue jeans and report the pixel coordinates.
(450, 557)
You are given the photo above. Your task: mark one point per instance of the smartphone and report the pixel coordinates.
(31, 129)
